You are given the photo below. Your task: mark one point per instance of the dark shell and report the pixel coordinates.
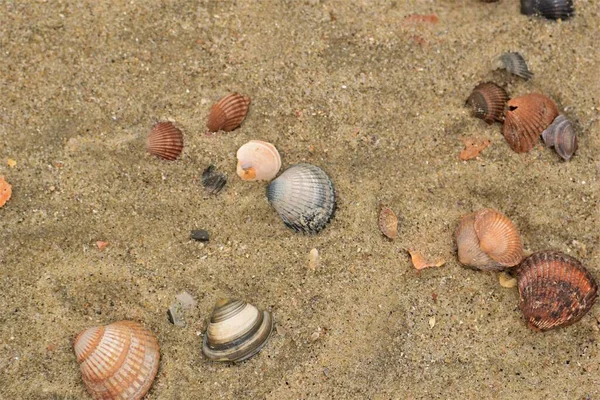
(488, 101)
(228, 113)
(555, 290)
(526, 118)
(515, 64)
(561, 135)
(165, 141)
(551, 9)
(212, 180)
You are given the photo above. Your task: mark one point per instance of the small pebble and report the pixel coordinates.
(506, 280)
(174, 315)
(200, 235)
(313, 259)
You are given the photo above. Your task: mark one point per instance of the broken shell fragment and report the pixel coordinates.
(488, 101)
(258, 161)
(304, 197)
(526, 118)
(388, 222)
(488, 240)
(561, 135)
(420, 262)
(515, 64)
(506, 280)
(228, 113)
(117, 361)
(165, 141)
(5, 191)
(551, 9)
(555, 290)
(212, 180)
(236, 331)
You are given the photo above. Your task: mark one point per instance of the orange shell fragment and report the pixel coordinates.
(5, 191)
(473, 146)
(420, 262)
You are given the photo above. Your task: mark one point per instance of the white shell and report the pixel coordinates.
(258, 161)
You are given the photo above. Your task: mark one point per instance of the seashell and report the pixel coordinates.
(561, 135)
(420, 262)
(551, 9)
(388, 222)
(555, 290)
(304, 197)
(488, 240)
(488, 101)
(212, 180)
(228, 113)
(165, 141)
(117, 361)
(236, 331)
(5, 191)
(515, 64)
(258, 161)
(526, 119)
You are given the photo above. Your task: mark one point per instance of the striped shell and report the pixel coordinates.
(236, 331)
(213, 180)
(117, 361)
(388, 222)
(555, 290)
(5, 191)
(561, 135)
(165, 141)
(304, 197)
(488, 240)
(488, 101)
(526, 118)
(228, 113)
(258, 161)
(515, 64)
(551, 9)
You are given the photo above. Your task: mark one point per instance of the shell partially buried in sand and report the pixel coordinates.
(488, 101)
(228, 113)
(561, 135)
(165, 141)
(258, 161)
(526, 118)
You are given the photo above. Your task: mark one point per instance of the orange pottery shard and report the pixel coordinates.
(421, 18)
(420, 262)
(228, 113)
(5, 191)
(473, 146)
(101, 245)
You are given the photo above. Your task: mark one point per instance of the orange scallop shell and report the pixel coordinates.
(165, 141)
(117, 361)
(488, 101)
(388, 222)
(526, 118)
(555, 290)
(5, 191)
(488, 240)
(228, 113)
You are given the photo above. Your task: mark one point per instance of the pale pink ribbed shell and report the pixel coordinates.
(258, 161)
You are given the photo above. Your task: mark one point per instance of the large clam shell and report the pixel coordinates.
(526, 118)
(515, 64)
(117, 361)
(555, 290)
(228, 113)
(304, 197)
(165, 141)
(236, 331)
(488, 101)
(258, 161)
(561, 135)
(488, 240)
(551, 9)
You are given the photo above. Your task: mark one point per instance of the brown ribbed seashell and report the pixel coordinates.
(228, 113)
(561, 135)
(388, 222)
(117, 361)
(488, 101)
(488, 240)
(5, 191)
(526, 118)
(555, 290)
(165, 141)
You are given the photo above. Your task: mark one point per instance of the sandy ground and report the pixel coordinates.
(377, 102)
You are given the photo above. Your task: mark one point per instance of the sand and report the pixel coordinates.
(373, 99)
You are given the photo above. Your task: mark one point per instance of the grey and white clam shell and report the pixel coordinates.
(561, 135)
(515, 64)
(551, 9)
(236, 331)
(304, 198)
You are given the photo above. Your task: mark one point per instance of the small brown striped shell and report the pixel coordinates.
(117, 361)
(488, 101)
(165, 141)
(555, 290)
(515, 64)
(526, 118)
(388, 222)
(228, 113)
(488, 240)
(561, 135)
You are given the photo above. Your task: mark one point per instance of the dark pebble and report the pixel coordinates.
(200, 235)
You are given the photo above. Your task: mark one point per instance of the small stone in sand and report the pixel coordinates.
(313, 259)
(101, 245)
(200, 234)
(174, 315)
(431, 322)
(506, 280)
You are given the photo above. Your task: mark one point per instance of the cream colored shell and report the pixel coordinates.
(258, 161)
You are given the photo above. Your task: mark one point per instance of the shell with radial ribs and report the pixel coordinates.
(551, 9)
(526, 118)
(165, 141)
(515, 64)
(388, 222)
(561, 135)
(117, 361)
(555, 290)
(304, 197)
(258, 161)
(488, 240)
(236, 331)
(488, 101)
(228, 113)
(213, 180)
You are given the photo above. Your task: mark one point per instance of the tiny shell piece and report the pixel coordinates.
(526, 119)
(165, 141)
(212, 180)
(473, 146)
(388, 222)
(506, 280)
(488, 101)
(420, 262)
(313, 259)
(555, 290)
(258, 161)
(515, 64)
(5, 191)
(228, 113)
(561, 135)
